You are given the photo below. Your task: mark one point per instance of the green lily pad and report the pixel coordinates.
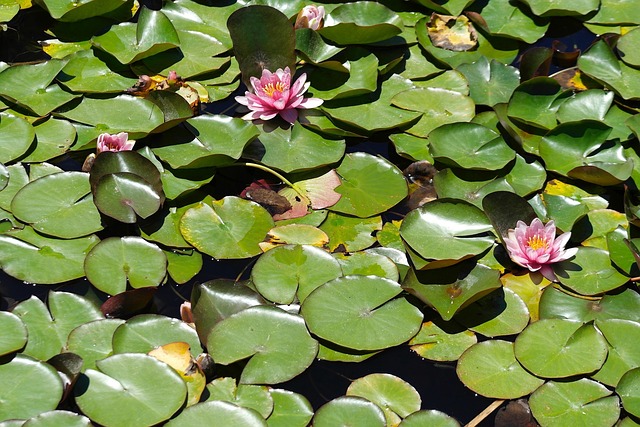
(557, 304)
(28, 256)
(30, 86)
(58, 419)
(59, 205)
(456, 226)
(295, 149)
(361, 312)
(557, 404)
(144, 332)
(443, 342)
(451, 290)
(490, 368)
(349, 410)
(370, 185)
(623, 355)
(430, 418)
(229, 228)
(116, 261)
(48, 329)
(286, 271)
(215, 300)
(373, 112)
(16, 136)
(439, 106)
(367, 264)
(591, 104)
(535, 103)
(562, 7)
(54, 137)
(87, 73)
(83, 9)
(352, 233)
(629, 391)
(15, 333)
(504, 18)
(396, 397)
(558, 348)
(129, 42)
(502, 312)
(575, 150)
(30, 388)
(248, 396)
(130, 389)
(590, 272)
(479, 147)
(208, 140)
(359, 77)
(361, 22)
(263, 38)
(217, 412)
(310, 44)
(183, 266)
(92, 341)
(490, 83)
(289, 409)
(126, 113)
(277, 344)
(601, 64)
(625, 46)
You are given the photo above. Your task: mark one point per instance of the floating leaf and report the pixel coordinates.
(228, 228)
(286, 271)
(566, 403)
(350, 410)
(277, 343)
(361, 22)
(361, 312)
(623, 356)
(31, 387)
(71, 12)
(590, 272)
(92, 340)
(130, 389)
(490, 83)
(452, 33)
(289, 409)
(116, 261)
(217, 412)
(558, 348)
(491, 369)
(442, 342)
(16, 136)
(15, 333)
(562, 7)
(629, 391)
(350, 233)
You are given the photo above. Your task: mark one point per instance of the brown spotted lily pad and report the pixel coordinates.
(452, 33)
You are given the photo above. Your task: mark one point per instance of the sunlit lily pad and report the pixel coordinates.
(490, 82)
(15, 333)
(286, 271)
(508, 19)
(58, 418)
(129, 42)
(429, 417)
(590, 272)
(130, 389)
(558, 348)
(16, 135)
(446, 230)
(116, 261)
(352, 410)
(444, 343)
(396, 397)
(48, 329)
(535, 102)
(490, 368)
(249, 396)
(562, 7)
(87, 73)
(448, 290)
(58, 205)
(352, 234)
(502, 312)
(361, 23)
(621, 335)
(557, 404)
(629, 391)
(92, 340)
(289, 409)
(367, 264)
(361, 312)
(83, 9)
(144, 332)
(31, 387)
(370, 185)
(218, 412)
(31, 257)
(277, 344)
(228, 228)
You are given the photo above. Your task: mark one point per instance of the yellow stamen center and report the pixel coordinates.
(271, 88)
(536, 242)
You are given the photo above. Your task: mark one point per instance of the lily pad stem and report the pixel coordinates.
(274, 173)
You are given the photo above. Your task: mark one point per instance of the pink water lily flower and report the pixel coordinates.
(536, 247)
(310, 17)
(273, 95)
(118, 142)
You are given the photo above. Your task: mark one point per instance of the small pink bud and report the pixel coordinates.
(310, 17)
(118, 142)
